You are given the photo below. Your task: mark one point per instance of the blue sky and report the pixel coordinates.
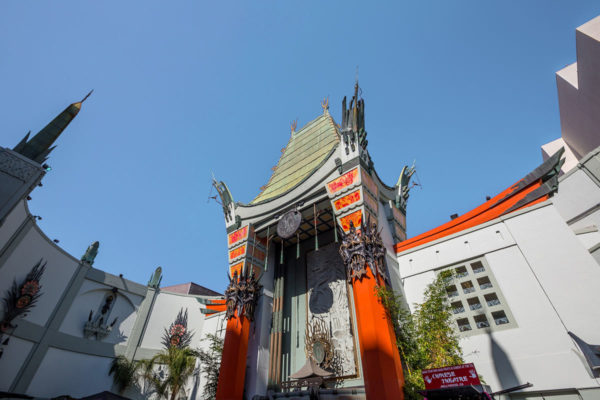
(186, 88)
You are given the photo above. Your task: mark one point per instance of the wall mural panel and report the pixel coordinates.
(328, 301)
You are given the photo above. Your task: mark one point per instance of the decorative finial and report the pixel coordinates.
(325, 105)
(91, 253)
(294, 125)
(155, 278)
(87, 95)
(38, 147)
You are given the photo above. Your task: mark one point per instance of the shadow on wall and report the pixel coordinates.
(504, 370)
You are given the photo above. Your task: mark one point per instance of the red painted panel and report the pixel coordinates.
(347, 200)
(235, 253)
(355, 217)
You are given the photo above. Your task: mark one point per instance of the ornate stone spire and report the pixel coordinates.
(38, 148)
(91, 253)
(353, 124)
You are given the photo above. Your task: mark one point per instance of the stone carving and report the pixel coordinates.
(353, 255)
(402, 187)
(155, 278)
(288, 224)
(359, 251)
(91, 253)
(178, 334)
(226, 198)
(97, 325)
(242, 295)
(17, 167)
(328, 304)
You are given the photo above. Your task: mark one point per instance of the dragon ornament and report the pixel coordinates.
(242, 295)
(360, 250)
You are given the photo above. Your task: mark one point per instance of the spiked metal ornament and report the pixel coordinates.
(361, 250)
(242, 295)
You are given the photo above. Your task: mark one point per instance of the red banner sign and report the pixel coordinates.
(349, 178)
(238, 235)
(458, 375)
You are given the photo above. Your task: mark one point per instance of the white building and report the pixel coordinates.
(525, 279)
(84, 317)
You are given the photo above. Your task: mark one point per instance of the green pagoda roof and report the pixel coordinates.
(307, 149)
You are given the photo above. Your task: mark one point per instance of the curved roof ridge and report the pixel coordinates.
(534, 188)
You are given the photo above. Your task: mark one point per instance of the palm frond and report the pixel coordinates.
(124, 372)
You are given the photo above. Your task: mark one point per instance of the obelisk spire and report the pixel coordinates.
(38, 148)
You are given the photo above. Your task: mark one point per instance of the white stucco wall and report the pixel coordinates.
(164, 312)
(90, 297)
(579, 91)
(65, 372)
(576, 194)
(564, 268)
(514, 356)
(589, 239)
(60, 268)
(453, 249)
(12, 223)
(548, 280)
(13, 357)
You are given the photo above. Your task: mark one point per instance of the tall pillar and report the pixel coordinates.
(233, 361)
(354, 201)
(246, 260)
(381, 364)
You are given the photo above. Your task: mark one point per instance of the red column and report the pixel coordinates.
(233, 361)
(381, 364)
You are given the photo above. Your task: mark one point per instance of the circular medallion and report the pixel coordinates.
(318, 351)
(288, 224)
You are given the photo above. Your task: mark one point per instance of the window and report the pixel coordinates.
(481, 321)
(463, 324)
(457, 307)
(451, 290)
(484, 283)
(461, 272)
(475, 298)
(467, 287)
(477, 267)
(492, 299)
(500, 317)
(474, 303)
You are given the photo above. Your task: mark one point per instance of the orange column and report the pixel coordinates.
(382, 368)
(233, 361)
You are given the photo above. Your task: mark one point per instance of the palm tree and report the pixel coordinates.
(179, 364)
(124, 372)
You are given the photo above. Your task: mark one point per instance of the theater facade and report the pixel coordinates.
(300, 317)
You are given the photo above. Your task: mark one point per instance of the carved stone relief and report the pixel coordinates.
(13, 165)
(328, 301)
(98, 325)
